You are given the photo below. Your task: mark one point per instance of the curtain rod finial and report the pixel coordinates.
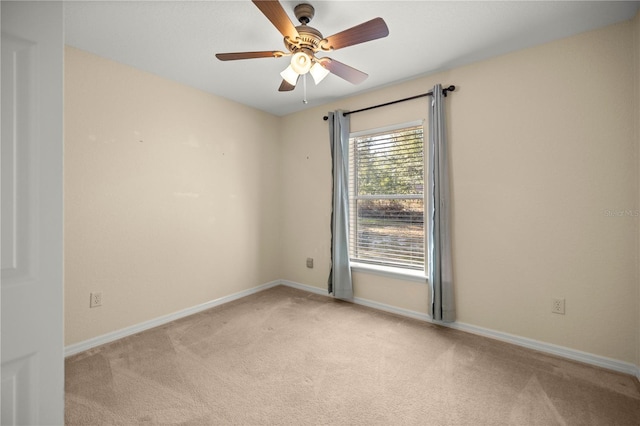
(448, 89)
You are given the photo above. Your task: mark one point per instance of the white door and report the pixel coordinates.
(32, 360)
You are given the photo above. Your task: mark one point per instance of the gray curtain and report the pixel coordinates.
(340, 284)
(440, 269)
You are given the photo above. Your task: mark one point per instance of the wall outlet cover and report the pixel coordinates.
(96, 299)
(558, 306)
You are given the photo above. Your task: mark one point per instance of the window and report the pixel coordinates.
(386, 197)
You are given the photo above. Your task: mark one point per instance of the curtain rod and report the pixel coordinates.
(429, 93)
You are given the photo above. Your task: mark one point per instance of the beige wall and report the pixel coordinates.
(171, 196)
(543, 160)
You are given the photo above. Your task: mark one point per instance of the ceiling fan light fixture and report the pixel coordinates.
(301, 62)
(290, 76)
(318, 72)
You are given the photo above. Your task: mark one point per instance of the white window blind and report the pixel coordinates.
(386, 192)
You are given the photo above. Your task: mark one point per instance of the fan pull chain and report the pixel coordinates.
(304, 86)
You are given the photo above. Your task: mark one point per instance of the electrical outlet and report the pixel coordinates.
(96, 299)
(309, 262)
(558, 306)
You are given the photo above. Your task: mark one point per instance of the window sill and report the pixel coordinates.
(386, 271)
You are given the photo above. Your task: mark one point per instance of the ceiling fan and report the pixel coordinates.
(303, 42)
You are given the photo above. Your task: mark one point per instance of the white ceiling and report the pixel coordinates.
(178, 39)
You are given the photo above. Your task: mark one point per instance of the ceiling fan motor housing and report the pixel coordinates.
(309, 39)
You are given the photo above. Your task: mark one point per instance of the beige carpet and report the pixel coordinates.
(284, 356)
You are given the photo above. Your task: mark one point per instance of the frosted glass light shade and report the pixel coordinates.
(318, 72)
(301, 62)
(290, 76)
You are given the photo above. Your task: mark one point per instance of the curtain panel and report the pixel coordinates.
(440, 270)
(340, 283)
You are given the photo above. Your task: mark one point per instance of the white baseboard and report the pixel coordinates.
(561, 351)
(564, 352)
(549, 348)
(305, 287)
(128, 331)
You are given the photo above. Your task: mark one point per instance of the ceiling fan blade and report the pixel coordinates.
(370, 30)
(344, 71)
(286, 87)
(249, 55)
(278, 17)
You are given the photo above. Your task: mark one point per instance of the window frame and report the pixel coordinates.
(397, 272)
